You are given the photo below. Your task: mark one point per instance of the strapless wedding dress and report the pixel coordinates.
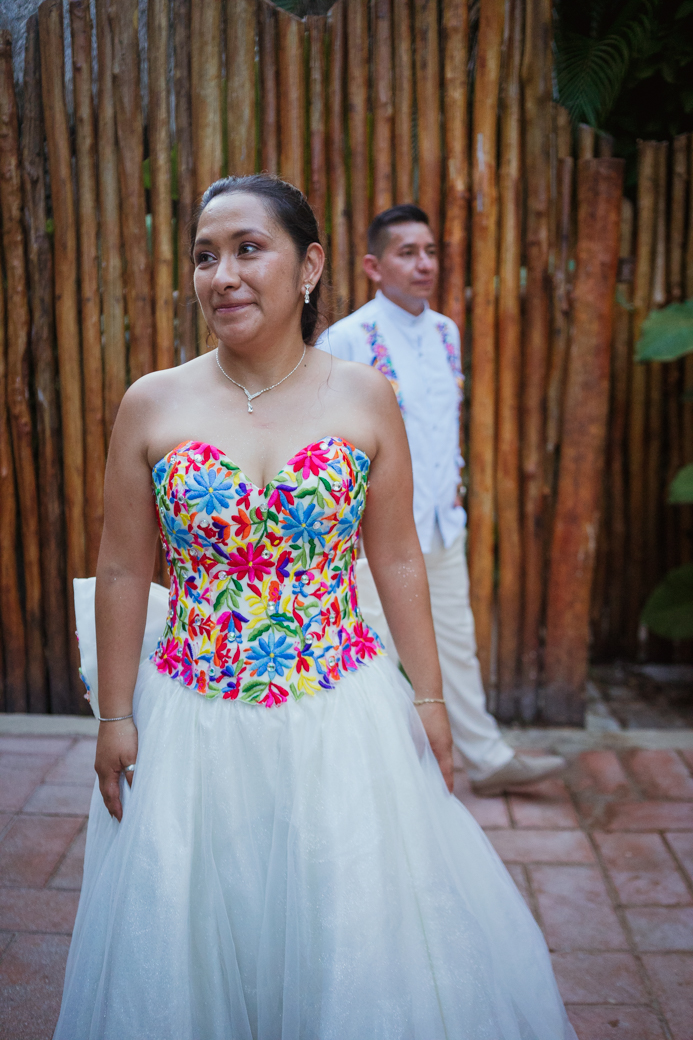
(290, 864)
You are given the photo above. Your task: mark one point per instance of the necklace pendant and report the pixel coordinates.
(250, 407)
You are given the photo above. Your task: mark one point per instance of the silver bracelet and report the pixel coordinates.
(119, 718)
(431, 700)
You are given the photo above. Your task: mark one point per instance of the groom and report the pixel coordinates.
(419, 352)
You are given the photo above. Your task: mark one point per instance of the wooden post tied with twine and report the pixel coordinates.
(600, 188)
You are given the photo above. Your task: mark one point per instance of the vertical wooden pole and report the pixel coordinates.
(644, 247)
(205, 53)
(112, 302)
(66, 307)
(339, 240)
(130, 133)
(654, 476)
(11, 615)
(621, 364)
(586, 141)
(564, 132)
(186, 308)
(383, 107)
(268, 77)
(482, 424)
(160, 166)
(536, 77)
(357, 94)
(18, 370)
(561, 316)
(40, 269)
(455, 228)
(87, 210)
(292, 99)
(428, 105)
(509, 368)
(240, 86)
(317, 26)
(600, 187)
(404, 101)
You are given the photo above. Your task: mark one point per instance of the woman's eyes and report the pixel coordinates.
(245, 249)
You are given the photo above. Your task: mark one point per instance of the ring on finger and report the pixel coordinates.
(129, 769)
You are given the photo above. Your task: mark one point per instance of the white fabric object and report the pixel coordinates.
(475, 732)
(84, 590)
(298, 873)
(430, 396)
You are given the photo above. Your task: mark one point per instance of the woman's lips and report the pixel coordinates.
(231, 308)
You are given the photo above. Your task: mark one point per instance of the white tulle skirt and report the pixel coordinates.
(298, 873)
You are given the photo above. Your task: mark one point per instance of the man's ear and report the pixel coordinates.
(371, 266)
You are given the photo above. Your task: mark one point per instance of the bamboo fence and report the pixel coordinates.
(370, 105)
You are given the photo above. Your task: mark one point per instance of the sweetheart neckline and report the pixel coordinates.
(278, 474)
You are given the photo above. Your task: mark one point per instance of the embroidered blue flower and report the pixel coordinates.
(272, 654)
(305, 523)
(160, 470)
(177, 533)
(349, 520)
(209, 489)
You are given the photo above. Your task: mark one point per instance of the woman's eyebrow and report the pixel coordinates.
(235, 234)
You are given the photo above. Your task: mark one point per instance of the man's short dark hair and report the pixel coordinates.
(407, 213)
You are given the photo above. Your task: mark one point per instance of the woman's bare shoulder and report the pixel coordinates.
(356, 378)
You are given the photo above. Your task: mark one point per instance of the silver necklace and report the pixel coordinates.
(251, 397)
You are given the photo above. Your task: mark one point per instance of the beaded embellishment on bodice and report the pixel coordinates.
(263, 602)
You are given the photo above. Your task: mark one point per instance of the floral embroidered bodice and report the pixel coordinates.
(263, 602)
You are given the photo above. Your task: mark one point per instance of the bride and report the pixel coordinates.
(288, 863)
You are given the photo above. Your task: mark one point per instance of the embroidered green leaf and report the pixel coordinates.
(261, 630)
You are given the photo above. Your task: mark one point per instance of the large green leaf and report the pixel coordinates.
(681, 489)
(669, 610)
(666, 334)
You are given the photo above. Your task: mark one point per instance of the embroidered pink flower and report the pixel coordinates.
(275, 695)
(169, 657)
(250, 563)
(363, 641)
(311, 460)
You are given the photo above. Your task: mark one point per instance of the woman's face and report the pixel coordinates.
(247, 276)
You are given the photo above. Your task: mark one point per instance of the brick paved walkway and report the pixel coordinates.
(605, 861)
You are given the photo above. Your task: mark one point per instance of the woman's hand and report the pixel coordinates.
(435, 721)
(116, 748)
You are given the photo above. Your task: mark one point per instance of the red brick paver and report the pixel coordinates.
(604, 859)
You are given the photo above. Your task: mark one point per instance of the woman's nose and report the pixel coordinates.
(226, 275)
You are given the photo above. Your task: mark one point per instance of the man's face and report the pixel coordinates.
(407, 271)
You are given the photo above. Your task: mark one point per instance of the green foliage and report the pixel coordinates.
(669, 610)
(681, 488)
(595, 45)
(666, 334)
(626, 67)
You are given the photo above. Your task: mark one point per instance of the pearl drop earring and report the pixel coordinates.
(306, 297)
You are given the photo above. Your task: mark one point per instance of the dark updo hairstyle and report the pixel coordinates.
(291, 210)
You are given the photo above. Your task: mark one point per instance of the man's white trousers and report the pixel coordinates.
(474, 730)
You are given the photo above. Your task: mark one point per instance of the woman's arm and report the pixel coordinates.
(396, 562)
(123, 574)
